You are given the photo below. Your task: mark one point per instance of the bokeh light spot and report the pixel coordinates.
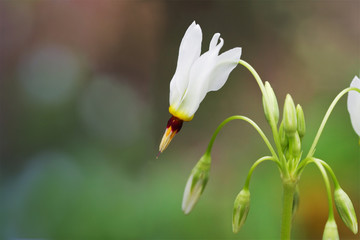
(111, 110)
(50, 75)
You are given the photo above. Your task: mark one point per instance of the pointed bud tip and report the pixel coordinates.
(196, 183)
(270, 104)
(241, 210)
(290, 118)
(346, 209)
(186, 211)
(301, 127)
(192, 193)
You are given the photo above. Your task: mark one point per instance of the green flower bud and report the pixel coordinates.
(271, 108)
(283, 138)
(241, 209)
(295, 145)
(330, 231)
(196, 183)
(345, 209)
(301, 128)
(290, 119)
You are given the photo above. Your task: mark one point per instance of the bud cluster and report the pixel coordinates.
(292, 128)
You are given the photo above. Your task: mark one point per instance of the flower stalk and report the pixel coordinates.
(289, 188)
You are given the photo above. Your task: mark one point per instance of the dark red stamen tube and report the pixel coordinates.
(175, 124)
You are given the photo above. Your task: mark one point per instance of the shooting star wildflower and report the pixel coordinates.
(195, 76)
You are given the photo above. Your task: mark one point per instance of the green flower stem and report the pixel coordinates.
(326, 117)
(272, 121)
(332, 174)
(289, 188)
(301, 166)
(255, 74)
(256, 163)
(251, 123)
(327, 185)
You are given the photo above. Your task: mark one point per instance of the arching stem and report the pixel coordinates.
(326, 117)
(272, 122)
(328, 188)
(256, 163)
(246, 119)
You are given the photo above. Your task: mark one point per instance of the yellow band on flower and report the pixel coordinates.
(181, 115)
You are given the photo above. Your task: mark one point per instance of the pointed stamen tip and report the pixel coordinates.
(173, 126)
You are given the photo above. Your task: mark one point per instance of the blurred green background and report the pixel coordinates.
(83, 106)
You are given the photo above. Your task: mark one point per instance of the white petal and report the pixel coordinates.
(354, 105)
(355, 122)
(190, 198)
(226, 62)
(353, 95)
(186, 195)
(214, 41)
(199, 79)
(189, 52)
(209, 73)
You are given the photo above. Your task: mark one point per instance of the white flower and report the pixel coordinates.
(354, 105)
(197, 75)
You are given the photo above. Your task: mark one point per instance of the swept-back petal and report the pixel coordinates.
(354, 105)
(226, 62)
(200, 74)
(214, 41)
(209, 73)
(189, 52)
